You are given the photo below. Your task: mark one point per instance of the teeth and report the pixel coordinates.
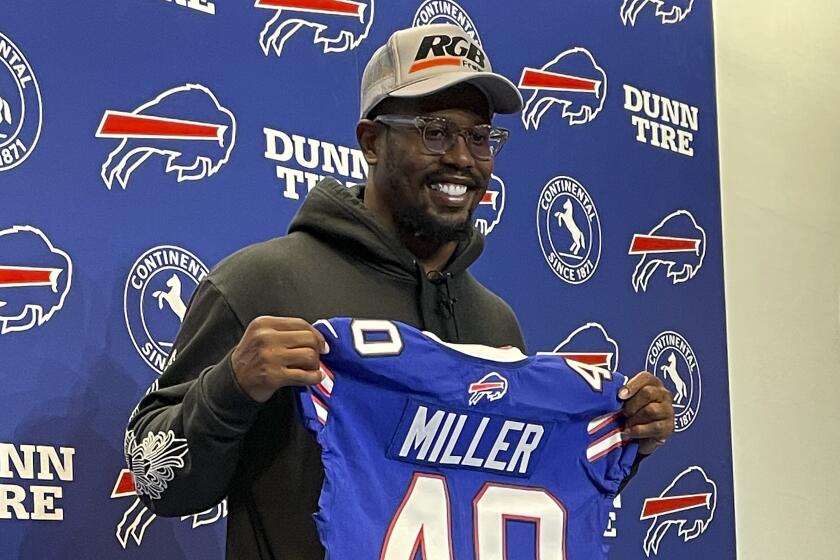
(450, 189)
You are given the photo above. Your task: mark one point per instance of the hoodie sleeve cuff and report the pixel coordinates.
(226, 399)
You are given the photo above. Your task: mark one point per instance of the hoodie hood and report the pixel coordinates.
(336, 214)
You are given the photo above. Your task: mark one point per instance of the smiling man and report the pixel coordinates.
(428, 98)
(430, 162)
(220, 421)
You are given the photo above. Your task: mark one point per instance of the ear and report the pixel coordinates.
(367, 133)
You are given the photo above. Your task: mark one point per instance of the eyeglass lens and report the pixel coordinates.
(439, 136)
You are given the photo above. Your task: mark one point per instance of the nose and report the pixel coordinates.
(459, 155)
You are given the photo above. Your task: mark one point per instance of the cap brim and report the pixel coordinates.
(504, 97)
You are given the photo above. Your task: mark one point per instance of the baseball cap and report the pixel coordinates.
(423, 60)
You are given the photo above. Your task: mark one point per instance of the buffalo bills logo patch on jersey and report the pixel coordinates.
(668, 11)
(431, 12)
(20, 106)
(569, 230)
(572, 80)
(688, 503)
(339, 25)
(492, 387)
(35, 278)
(677, 244)
(157, 290)
(488, 213)
(671, 359)
(186, 125)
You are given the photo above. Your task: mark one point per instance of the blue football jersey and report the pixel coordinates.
(451, 452)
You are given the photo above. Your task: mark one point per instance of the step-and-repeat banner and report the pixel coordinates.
(602, 221)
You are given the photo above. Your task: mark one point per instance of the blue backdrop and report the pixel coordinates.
(141, 141)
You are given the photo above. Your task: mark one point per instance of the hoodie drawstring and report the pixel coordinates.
(447, 302)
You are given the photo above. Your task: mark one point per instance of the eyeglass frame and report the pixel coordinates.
(420, 122)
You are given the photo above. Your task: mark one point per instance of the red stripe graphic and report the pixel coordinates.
(589, 358)
(486, 386)
(540, 79)
(490, 198)
(338, 7)
(121, 125)
(438, 61)
(662, 244)
(124, 485)
(658, 506)
(19, 276)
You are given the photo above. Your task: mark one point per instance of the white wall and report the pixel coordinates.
(778, 65)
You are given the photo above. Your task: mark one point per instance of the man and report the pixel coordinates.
(221, 420)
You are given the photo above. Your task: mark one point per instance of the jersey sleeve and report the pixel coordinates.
(609, 454)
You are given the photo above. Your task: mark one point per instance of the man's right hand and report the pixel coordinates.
(277, 352)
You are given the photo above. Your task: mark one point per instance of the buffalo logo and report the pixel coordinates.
(195, 148)
(688, 502)
(590, 352)
(488, 213)
(671, 358)
(669, 11)
(34, 278)
(339, 24)
(569, 230)
(677, 242)
(157, 290)
(492, 387)
(137, 517)
(572, 80)
(20, 106)
(446, 11)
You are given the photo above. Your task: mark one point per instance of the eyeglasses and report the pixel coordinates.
(440, 134)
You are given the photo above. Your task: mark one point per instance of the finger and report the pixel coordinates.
(291, 339)
(646, 395)
(291, 324)
(648, 446)
(659, 430)
(638, 381)
(302, 377)
(282, 323)
(300, 358)
(653, 412)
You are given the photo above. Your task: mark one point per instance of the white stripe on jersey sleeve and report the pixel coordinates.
(605, 444)
(320, 410)
(327, 381)
(601, 422)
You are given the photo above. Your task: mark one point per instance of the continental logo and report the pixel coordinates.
(20, 106)
(446, 11)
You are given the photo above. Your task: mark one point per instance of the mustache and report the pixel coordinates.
(472, 177)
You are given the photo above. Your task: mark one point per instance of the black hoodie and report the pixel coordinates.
(337, 260)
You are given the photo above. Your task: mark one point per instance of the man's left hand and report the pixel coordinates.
(649, 410)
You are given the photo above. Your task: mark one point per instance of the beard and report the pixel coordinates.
(415, 222)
